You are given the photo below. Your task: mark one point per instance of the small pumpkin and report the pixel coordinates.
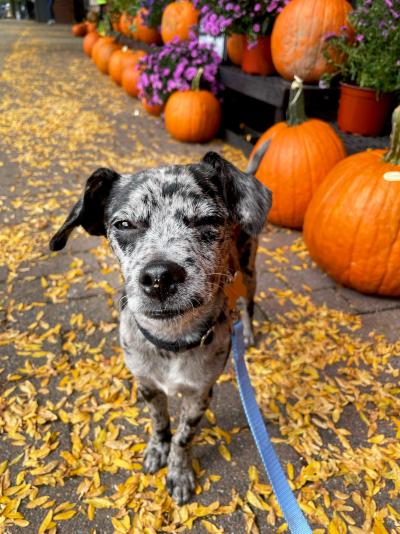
(145, 33)
(177, 20)
(130, 80)
(152, 109)
(89, 41)
(103, 56)
(90, 26)
(235, 46)
(298, 36)
(79, 30)
(352, 224)
(98, 44)
(117, 63)
(300, 154)
(125, 23)
(193, 116)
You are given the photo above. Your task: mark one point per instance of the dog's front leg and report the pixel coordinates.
(157, 450)
(180, 478)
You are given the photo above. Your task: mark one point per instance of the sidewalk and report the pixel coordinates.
(325, 368)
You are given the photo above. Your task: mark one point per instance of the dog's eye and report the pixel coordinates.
(124, 225)
(211, 220)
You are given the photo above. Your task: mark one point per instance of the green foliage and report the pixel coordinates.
(371, 48)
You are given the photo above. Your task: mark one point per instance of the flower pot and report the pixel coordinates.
(360, 112)
(257, 58)
(152, 109)
(235, 45)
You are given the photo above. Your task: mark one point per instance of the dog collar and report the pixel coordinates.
(180, 345)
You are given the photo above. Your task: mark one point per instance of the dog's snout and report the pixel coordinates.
(160, 279)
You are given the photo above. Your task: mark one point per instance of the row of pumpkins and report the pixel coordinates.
(121, 63)
(294, 48)
(348, 207)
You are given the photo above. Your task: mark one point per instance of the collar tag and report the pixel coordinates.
(235, 289)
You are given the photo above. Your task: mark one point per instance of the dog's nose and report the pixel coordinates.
(159, 279)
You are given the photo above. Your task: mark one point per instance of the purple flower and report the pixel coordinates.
(360, 38)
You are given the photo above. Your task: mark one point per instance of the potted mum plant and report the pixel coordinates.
(173, 68)
(370, 72)
(248, 24)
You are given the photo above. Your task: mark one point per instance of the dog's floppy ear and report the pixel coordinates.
(247, 199)
(89, 210)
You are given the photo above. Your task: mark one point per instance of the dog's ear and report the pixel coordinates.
(247, 199)
(88, 212)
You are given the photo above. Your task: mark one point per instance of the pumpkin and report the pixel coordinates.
(235, 46)
(193, 116)
(117, 63)
(98, 44)
(352, 225)
(300, 154)
(79, 30)
(152, 109)
(177, 20)
(103, 56)
(125, 23)
(298, 36)
(90, 26)
(145, 33)
(89, 41)
(130, 80)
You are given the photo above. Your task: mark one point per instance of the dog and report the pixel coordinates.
(179, 233)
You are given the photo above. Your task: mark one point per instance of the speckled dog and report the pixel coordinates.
(173, 230)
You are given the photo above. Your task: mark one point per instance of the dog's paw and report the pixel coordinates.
(155, 456)
(181, 484)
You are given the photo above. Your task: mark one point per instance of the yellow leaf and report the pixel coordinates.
(65, 515)
(290, 471)
(37, 502)
(46, 522)
(224, 452)
(210, 527)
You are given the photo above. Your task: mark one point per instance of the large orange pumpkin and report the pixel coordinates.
(130, 80)
(79, 30)
(117, 63)
(298, 36)
(352, 225)
(103, 56)
(177, 20)
(89, 41)
(235, 45)
(145, 33)
(193, 116)
(300, 154)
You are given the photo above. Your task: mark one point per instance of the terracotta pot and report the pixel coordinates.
(360, 112)
(257, 58)
(152, 109)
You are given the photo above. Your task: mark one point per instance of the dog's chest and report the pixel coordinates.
(185, 372)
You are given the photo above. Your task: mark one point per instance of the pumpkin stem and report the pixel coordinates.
(295, 112)
(196, 79)
(393, 155)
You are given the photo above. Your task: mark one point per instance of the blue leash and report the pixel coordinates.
(287, 501)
